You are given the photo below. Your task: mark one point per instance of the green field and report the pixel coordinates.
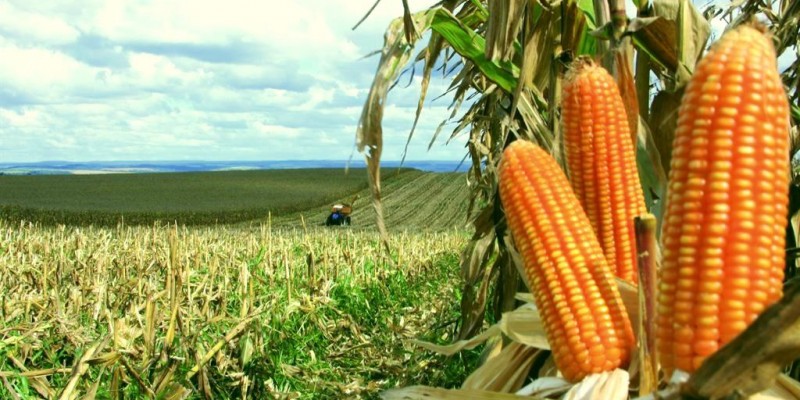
(222, 197)
(269, 307)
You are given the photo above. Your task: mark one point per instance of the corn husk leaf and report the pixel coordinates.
(504, 373)
(627, 88)
(432, 393)
(546, 386)
(522, 325)
(630, 297)
(784, 388)
(611, 385)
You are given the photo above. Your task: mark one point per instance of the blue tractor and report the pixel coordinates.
(340, 215)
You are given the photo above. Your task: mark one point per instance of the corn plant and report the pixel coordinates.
(508, 61)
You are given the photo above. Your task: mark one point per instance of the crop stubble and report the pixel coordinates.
(219, 311)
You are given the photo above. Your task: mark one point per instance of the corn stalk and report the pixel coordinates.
(505, 61)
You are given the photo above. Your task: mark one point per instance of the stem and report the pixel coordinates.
(619, 18)
(647, 252)
(602, 16)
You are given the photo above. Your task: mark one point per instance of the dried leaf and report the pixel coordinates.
(657, 39)
(783, 389)
(663, 123)
(547, 386)
(431, 393)
(627, 89)
(611, 385)
(476, 277)
(537, 56)
(505, 373)
(92, 392)
(80, 368)
(174, 392)
(369, 134)
(36, 378)
(505, 20)
(432, 52)
(676, 39)
(522, 325)
(651, 174)
(630, 297)
(236, 331)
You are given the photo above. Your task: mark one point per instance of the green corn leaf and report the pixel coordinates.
(470, 45)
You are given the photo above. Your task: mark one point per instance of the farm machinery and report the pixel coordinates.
(340, 215)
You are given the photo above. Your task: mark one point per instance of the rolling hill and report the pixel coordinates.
(412, 199)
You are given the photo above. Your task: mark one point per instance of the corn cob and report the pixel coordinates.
(574, 289)
(723, 231)
(601, 161)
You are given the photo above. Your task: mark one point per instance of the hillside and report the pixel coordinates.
(412, 199)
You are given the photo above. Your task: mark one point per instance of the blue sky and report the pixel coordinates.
(189, 80)
(112, 80)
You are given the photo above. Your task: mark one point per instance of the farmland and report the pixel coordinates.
(189, 198)
(270, 307)
(232, 197)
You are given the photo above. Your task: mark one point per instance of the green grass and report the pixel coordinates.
(188, 198)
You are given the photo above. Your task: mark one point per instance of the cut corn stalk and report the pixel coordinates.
(723, 232)
(584, 318)
(601, 162)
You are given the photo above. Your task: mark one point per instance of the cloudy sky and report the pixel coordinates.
(199, 80)
(106, 80)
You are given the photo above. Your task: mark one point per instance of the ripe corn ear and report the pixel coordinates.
(585, 320)
(601, 162)
(723, 233)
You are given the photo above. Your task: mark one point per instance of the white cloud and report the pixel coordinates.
(180, 79)
(34, 27)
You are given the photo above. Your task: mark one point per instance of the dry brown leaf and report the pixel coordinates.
(522, 325)
(663, 122)
(80, 368)
(236, 331)
(505, 373)
(630, 297)
(505, 20)
(174, 391)
(627, 88)
(432, 393)
(36, 378)
(785, 388)
(789, 385)
(369, 134)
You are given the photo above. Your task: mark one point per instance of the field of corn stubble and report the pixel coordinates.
(223, 312)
